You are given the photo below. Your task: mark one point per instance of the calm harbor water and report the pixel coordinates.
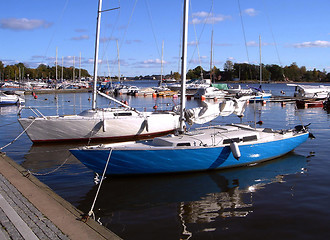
(287, 198)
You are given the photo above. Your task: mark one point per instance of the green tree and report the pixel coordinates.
(276, 72)
(176, 76)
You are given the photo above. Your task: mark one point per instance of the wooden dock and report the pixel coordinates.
(31, 210)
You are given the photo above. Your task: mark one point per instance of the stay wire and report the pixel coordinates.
(52, 38)
(244, 35)
(152, 27)
(110, 37)
(198, 40)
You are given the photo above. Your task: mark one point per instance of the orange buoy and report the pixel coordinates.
(155, 107)
(203, 98)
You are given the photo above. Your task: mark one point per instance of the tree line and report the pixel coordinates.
(270, 73)
(231, 71)
(20, 71)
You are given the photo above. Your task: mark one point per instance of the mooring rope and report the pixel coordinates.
(99, 187)
(17, 136)
(50, 172)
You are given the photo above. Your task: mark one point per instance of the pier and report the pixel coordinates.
(31, 210)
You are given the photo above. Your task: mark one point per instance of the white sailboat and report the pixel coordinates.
(114, 124)
(205, 149)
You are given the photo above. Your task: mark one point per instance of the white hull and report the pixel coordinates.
(8, 99)
(101, 124)
(310, 91)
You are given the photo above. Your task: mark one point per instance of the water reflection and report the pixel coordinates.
(55, 166)
(184, 202)
(5, 110)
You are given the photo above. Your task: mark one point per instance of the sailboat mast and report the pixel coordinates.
(211, 58)
(56, 66)
(118, 61)
(161, 64)
(184, 63)
(96, 56)
(260, 59)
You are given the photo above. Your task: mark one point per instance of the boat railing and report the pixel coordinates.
(34, 110)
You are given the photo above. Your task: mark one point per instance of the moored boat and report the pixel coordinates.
(310, 91)
(205, 149)
(10, 98)
(114, 124)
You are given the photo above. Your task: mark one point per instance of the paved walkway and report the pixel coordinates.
(31, 210)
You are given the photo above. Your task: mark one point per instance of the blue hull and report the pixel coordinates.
(183, 159)
(5, 103)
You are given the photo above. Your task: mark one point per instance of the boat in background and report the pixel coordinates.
(326, 102)
(259, 93)
(204, 149)
(310, 91)
(193, 84)
(10, 98)
(238, 90)
(209, 92)
(99, 124)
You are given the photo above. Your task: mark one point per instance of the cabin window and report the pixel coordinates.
(250, 138)
(228, 141)
(183, 144)
(121, 114)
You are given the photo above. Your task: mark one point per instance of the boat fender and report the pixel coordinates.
(235, 150)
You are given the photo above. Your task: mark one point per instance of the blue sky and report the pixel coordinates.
(291, 31)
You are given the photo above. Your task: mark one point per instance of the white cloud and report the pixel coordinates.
(81, 30)
(107, 39)
(150, 63)
(256, 44)
(315, 44)
(192, 43)
(133, 41)
(250, 12)
(252, 44)
(207, 18)
(153, 61)
(23, 24)
(201, 14)
(82, 37)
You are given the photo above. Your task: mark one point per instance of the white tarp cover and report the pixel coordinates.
(209, 111)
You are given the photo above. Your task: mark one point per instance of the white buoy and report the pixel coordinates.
(235, 150)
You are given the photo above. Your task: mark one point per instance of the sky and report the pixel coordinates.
(290, 31)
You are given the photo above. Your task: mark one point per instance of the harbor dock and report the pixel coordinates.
(31, 210)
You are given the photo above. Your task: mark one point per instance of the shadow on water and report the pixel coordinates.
(127, 205)
(54, 165)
